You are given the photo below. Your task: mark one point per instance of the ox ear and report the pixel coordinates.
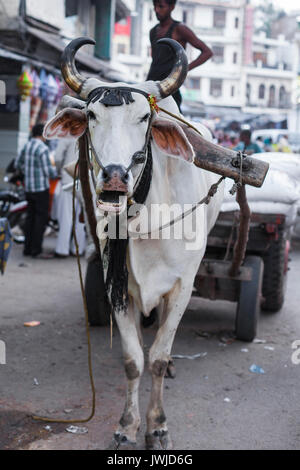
(171, 139)
(68, 123)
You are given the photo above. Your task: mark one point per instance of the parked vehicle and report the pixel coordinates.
(13, 204)
(276, 134)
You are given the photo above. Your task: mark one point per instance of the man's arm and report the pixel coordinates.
(48, 168)
(189, 37)
(19, 162)
(60, 154)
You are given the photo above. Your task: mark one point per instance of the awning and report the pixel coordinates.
(88, 64)
(87, 60)
(7, 54)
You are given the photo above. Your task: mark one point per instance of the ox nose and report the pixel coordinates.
(115, 178)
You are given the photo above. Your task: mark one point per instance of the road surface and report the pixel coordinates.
(215, 402)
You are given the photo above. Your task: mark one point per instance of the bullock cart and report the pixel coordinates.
(260, 280)
(231, 269)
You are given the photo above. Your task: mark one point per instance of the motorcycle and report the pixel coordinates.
(13, 204)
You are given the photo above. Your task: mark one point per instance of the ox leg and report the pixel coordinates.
(157, 435)
(134, 365)
(171, 371)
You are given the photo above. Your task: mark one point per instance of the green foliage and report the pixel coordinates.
(266, 13)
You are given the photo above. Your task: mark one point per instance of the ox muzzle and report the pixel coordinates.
(113, 189)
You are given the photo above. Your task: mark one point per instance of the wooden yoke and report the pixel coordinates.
(223, 161)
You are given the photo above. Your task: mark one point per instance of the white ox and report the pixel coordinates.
(160, 272)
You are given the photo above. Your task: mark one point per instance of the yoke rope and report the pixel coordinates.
(180, 119)
(84, 420)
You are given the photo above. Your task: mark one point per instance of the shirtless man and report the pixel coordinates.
(162, 60)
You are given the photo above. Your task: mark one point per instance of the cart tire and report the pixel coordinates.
(275, 274)
(97, 305)
(248, 307)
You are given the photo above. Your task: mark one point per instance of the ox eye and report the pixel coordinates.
(91, 115)
(145, 118)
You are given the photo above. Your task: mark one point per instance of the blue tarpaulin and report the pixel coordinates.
(5, 243)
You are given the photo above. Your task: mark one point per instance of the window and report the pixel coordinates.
(248, 92)
(219, 18)
(234, 58)
(218, 54)
(193, 83)
(261, 91)
(232, 90)
(272, 96)
(283, 97)
(184, 16)
(215, 87)
(260, 58)
(236, 22)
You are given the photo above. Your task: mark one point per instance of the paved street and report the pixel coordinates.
(215, 402)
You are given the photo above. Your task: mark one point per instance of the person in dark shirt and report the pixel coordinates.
(34, 162)
(246, 145)
(162, 60)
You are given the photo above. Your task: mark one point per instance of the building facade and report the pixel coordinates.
(248, 74)
(33, 34)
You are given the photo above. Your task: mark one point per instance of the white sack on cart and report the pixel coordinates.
(277, 187)
(266, 207)
(286, 162)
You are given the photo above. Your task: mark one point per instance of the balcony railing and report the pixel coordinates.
(279, 66)
(274, 104)
(201, 31)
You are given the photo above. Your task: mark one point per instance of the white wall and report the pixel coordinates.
(52, 11)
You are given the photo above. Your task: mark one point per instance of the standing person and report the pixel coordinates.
(65, 154)
(162, 60)
(34, 162)
(245, 145)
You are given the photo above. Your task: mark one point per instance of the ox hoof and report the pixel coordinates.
(158, 440)
(171, 371)
(121, 440)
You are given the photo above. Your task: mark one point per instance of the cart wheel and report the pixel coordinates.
(275, 273)
(249, 301)
(98, 308)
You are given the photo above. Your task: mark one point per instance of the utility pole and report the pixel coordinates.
(22, 9)
(136, 28)
(104, 27)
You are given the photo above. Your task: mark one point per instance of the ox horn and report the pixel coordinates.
(68, 69)
(170, 85)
